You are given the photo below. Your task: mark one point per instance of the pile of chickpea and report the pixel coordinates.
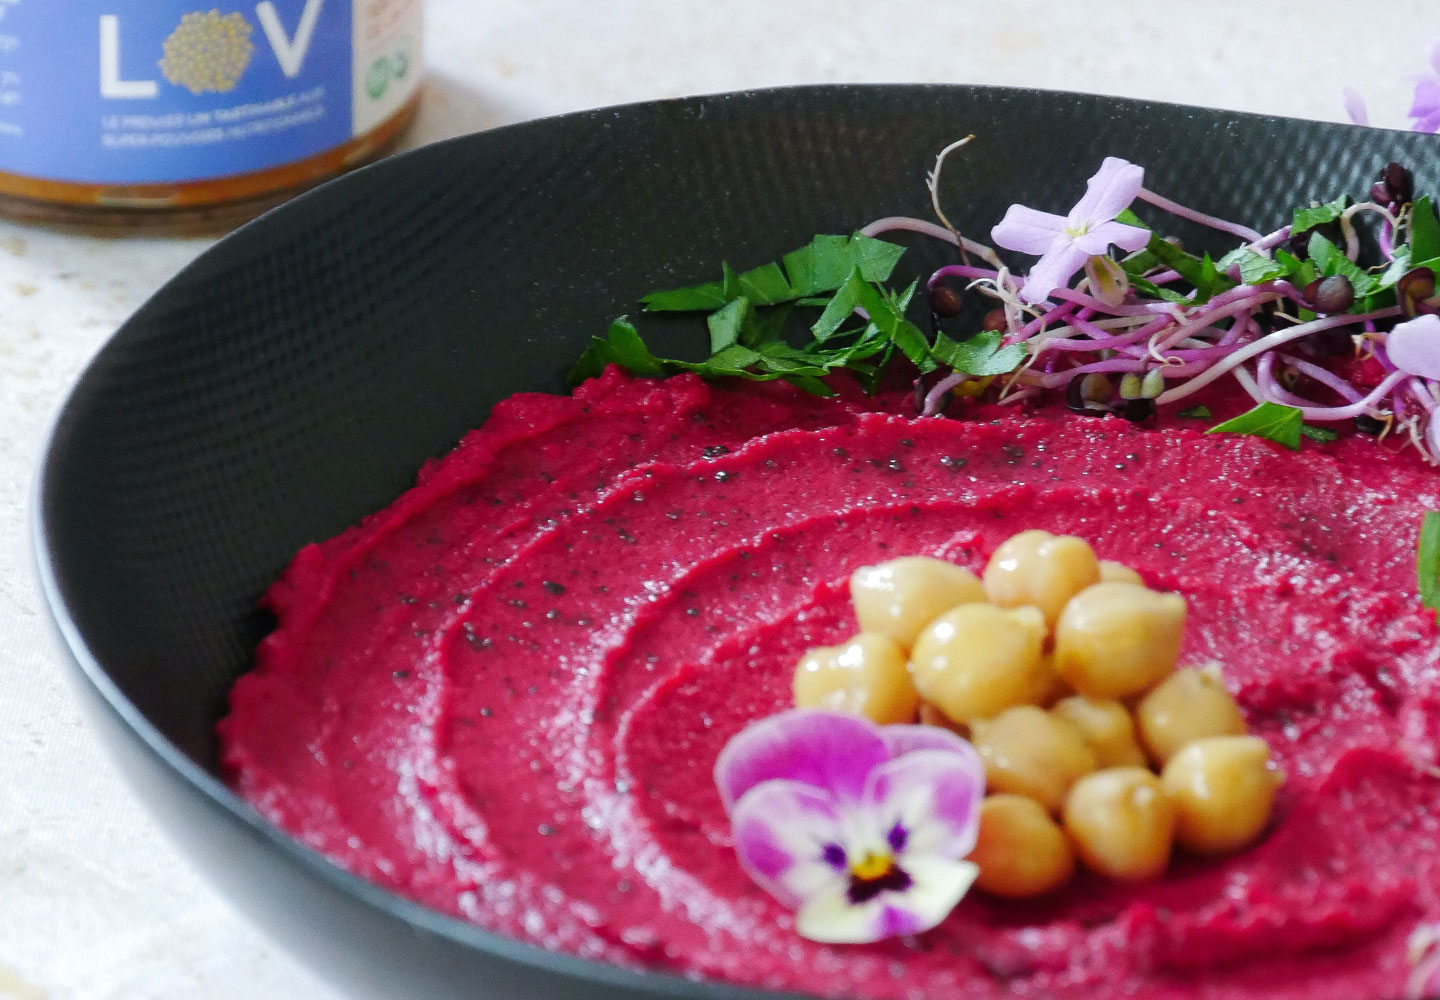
(1060, 669)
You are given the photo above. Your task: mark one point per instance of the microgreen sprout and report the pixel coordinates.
(1335, 316)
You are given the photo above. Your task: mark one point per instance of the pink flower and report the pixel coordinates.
(1414, 346)
(861, 828)
(1065, 242)
(1355, 107)
(1426, 107)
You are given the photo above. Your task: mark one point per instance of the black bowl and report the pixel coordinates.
(295, 377)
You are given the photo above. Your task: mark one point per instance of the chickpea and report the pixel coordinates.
(1115, 640)
(1107, 727)
(1114, 572)
(977, 660)
(900, 597)
(1021, 851)
(1041, 570)
(1223, 788)
(1030, 752)
(1055, 686)
(865, 676)
(1188, 705)
(932, 716)
(1122, 823)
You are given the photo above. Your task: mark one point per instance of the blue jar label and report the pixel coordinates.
(160, 92)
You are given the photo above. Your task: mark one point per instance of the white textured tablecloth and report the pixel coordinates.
(94, 903)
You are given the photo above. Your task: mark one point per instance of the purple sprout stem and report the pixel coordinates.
(907, 224)
(1421, 390)
(1089, 302)
(1040, 322)
(1324, 376)
(1267, 343)
(1271, 241)
(1355, 409)
(1247, 382)
(1188, 354)
(1386, 240)
(965, 271)
(1175, 208)
(1101, 339)
(937, 392)
(1023, 394)
(1223, 306)
(1352, 238)
(1271, 387)
(1104, 367)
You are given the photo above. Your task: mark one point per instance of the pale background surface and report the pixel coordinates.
(94, 902)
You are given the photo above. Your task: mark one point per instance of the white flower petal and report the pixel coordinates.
(1028, 231)
(830, 918)
(1099, 238)
(933, 796)
(1109, 192)
(782, 829)
(1052, 271)
(937, 886)
(1414, 346)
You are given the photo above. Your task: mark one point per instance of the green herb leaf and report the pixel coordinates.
(622, 346)
(725, 324)
(816, 268)
(886, 319)
(1201, 412)
(765, 285)
(1320, 435)
(1427, 562)
(694, 299)
(1424, 230)
(1396, 270)
(1200, 272)
(1129, 218)
(1270, 421)
(824, 264)
(1330, 259)
(1158, 291)
(1139, 262)
(841, 307)
(1255, 268)
(1317, 215)
(979, 355)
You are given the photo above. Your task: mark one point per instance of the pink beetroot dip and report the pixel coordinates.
(503, 695)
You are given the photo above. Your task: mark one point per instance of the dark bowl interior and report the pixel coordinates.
(295, 377)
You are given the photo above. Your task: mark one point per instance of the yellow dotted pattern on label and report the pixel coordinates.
(208, 52)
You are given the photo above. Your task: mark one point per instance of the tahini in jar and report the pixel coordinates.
(133, 111)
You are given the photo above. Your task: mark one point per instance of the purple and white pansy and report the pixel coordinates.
(862, 829)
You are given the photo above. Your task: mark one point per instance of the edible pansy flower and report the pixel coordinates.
(1065, 242)
(862, 829)
(1423, 952)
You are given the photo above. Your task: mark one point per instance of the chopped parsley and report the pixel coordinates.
(1427, 562)
(861, 325)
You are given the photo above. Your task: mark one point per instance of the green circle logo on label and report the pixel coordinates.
(377, 81)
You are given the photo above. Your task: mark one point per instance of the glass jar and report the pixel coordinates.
(168, 112)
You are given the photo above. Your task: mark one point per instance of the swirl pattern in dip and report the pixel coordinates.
(504, 695)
